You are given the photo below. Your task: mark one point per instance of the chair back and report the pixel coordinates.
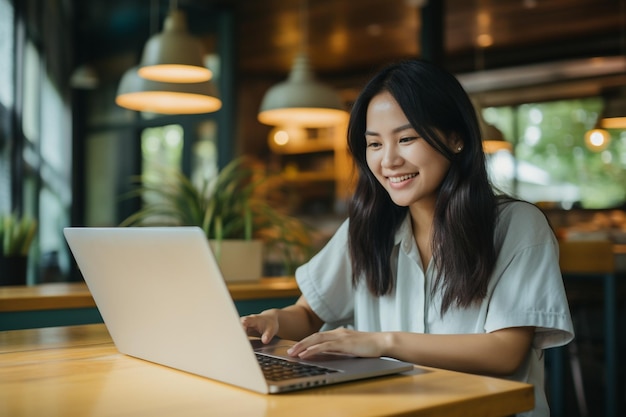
(586, 257)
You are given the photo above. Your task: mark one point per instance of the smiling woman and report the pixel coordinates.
(436, 262)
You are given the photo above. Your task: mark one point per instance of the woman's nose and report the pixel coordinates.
(391, 157)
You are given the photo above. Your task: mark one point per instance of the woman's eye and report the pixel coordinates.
(408, 139)
(373, 145)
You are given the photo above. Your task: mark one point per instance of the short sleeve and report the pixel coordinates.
(528, 287)
(326, 280)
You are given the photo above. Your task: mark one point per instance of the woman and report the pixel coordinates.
(440, 271)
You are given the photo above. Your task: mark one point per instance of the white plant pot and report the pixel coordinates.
(239, 260)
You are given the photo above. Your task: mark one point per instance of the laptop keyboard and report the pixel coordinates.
(276, 369)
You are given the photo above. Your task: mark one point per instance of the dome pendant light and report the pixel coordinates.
(494, 140)
(173, 80)
(492, 137)
(139, 94)
(174, 55)
(614, 114)
(301, 99)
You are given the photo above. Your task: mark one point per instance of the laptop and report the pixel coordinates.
(164, 300)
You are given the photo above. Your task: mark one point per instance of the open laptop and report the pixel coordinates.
(163, 299)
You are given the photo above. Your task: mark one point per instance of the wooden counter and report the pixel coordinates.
(76, 294)
(76, 371)
(58, 304)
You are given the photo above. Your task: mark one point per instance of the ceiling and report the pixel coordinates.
(540, 50)
(351, 36)
(534, 42)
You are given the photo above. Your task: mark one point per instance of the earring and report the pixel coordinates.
(460, 148)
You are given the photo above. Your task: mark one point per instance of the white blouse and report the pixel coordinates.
(526, 289)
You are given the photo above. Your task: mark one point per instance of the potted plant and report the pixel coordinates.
(16, 236)
(234, 209)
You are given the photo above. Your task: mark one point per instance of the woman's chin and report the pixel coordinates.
(401, 202)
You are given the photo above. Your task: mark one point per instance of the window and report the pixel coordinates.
(35, 145)
(6, 101)
(161, 147)
(551, 162)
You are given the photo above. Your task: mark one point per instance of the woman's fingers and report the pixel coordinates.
(259, 325)
(341, 340)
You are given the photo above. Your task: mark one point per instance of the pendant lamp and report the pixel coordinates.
(84, 77)
(174, 55)
(493, 138)
(614, 114)
(139, 94)
(301, 99)
(598, 138)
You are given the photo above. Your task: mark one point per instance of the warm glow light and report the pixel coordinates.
(597, 139)
(175, 73)
(613, 123)
(483, 23)
(493, 146)
(305, 116)
(484, 40)
(140, 94)
(166, 102)
(281, 138)
(339, 41)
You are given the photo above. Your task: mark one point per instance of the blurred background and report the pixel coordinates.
(545, 76)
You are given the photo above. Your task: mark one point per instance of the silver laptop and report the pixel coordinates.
(164, 300)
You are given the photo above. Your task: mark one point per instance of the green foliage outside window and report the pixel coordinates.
(550, 136)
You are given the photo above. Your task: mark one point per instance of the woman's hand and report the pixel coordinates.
(346, 341)
(293, 322)
(265, 325)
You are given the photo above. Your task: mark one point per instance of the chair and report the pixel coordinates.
(583, 260)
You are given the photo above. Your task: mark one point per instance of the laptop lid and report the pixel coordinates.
(163, 299)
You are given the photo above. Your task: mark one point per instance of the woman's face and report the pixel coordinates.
(405, 164)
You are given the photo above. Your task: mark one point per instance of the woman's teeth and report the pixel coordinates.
(401, 178)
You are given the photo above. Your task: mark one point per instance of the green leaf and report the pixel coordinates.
(17, 234)
(233, 204)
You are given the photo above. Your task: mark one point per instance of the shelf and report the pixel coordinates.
(309, 176)
(304, 140)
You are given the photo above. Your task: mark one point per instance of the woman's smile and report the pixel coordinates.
(401, 178)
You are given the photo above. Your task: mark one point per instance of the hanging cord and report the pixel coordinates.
(482, 28)
(304, 27)
(622, 39)
(154, 16)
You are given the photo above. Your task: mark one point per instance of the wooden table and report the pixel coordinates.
(76, 371)
(57, 304)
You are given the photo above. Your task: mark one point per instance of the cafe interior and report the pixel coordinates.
(86, 139)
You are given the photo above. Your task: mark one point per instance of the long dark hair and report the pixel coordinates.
(463, 250)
